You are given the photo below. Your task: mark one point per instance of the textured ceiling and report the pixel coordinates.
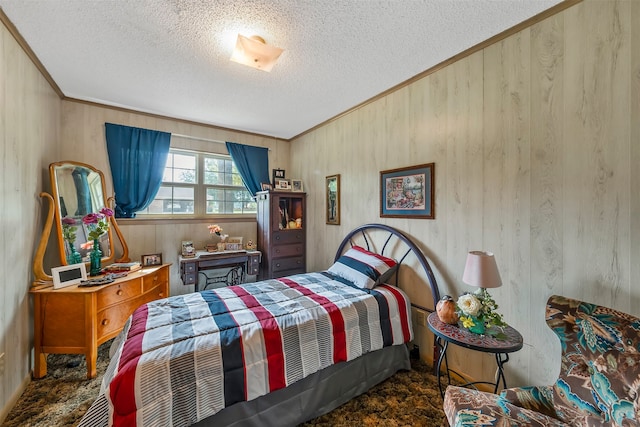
(171, 57)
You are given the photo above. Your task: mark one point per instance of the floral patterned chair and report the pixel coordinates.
(598, 385)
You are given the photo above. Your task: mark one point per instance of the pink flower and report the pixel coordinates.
(92, 218)
(106, 212)
(68, 221)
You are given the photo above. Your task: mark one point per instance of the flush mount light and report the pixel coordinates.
(254, 52)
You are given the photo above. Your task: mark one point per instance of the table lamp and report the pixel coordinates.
(481, 270)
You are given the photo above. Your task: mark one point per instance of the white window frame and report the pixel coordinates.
(199, 191)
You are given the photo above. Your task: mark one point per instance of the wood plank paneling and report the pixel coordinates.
(547, 117)
(29, 134)
(546, 175)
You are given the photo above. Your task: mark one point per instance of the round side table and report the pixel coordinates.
(446, 333)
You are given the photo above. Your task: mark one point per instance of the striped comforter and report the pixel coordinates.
(186, 357)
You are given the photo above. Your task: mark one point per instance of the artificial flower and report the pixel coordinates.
(69, 229)
(477, 312)
(214, 229)
(469, 304)
(97, 223)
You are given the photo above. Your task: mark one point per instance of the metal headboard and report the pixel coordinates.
(411, 247)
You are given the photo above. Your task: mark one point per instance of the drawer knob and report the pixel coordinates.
(119, 292)
(105, 322)
(161, 294)
(277, 251)
(278, 264)
(277, 237)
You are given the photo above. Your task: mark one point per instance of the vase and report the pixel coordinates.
(73, 257)
(95, 258)
(478, 326)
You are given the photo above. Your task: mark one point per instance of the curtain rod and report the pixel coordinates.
(197, 138)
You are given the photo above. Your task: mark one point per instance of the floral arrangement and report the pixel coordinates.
(97, 223)
(217, 230)
(69, 229)
(214, 229)
(477, 313)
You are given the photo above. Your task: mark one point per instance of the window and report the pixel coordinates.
(198, 184)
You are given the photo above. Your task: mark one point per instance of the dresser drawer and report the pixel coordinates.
(288, 236)
(280, 251)
(253, 265)
(116, 293)
(283, 264)
(111, 320)
(154, 279)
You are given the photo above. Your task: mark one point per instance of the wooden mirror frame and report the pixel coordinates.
(55, 213)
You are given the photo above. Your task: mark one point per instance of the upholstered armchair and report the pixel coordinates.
(598, 385)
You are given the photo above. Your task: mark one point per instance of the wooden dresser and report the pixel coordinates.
(76, 320)
(281, 233)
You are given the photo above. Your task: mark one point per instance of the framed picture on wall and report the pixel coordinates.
(332, 188)
(407, 192)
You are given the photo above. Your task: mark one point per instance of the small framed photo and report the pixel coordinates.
(266, 186)
(277, 174)
(296, 185)
(282, 185)
(151, 259)
(68, 275)
(188, 250)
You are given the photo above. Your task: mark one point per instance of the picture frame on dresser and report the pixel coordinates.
(151, 260)
(283, 185)
(68, 275)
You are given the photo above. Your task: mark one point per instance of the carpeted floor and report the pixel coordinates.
(409, 398)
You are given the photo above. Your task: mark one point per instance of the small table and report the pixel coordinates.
(241, 263)
(446, 333)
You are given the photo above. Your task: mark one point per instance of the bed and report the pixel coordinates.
(276, 352)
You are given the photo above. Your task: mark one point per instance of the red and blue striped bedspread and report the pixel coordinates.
(186, 357)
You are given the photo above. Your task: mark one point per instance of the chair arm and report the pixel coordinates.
(536, 398)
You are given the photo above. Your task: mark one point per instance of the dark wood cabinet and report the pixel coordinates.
(281, 233)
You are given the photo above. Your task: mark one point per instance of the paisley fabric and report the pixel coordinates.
(598, 385)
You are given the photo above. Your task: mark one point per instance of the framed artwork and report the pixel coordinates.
(282, 185)
(332, 187)
(68, 275)
(151, 259)
(296, 185)
(277, 174)
(407, 192)
(265, 186)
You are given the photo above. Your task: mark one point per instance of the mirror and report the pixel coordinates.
(78, 189)
(332, 187)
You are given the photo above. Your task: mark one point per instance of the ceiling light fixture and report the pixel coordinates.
(255, 52)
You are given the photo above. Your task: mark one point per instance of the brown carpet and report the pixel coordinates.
(409, 398)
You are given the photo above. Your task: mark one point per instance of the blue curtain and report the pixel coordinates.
(137, 158)
(252, 163)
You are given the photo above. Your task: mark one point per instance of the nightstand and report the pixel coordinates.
(446, 333)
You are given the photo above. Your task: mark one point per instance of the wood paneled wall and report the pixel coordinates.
(536, 141)
(29, 133)
(83, 140)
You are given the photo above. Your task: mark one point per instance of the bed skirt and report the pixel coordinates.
(316, 394)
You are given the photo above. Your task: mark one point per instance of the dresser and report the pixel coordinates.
(76, 320)
(281, 233)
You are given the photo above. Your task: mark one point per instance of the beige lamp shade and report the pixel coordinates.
(254, 52)
(481, 270)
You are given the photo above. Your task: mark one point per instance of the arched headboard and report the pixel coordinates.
(361, 233)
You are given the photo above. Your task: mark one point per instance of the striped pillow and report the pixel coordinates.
(363, 268)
